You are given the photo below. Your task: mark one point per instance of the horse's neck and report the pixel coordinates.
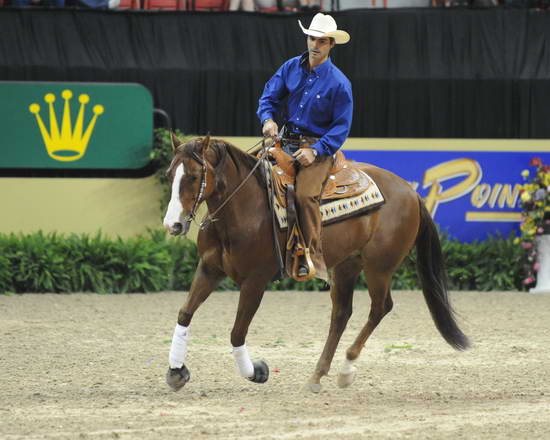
(246, 200)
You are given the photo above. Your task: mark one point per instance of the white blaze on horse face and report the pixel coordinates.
(175, 208)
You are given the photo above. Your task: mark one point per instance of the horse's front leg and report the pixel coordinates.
(252, 292)
(206, 279)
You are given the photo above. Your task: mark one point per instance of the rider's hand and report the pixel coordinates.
(305, 156)
(270, 128)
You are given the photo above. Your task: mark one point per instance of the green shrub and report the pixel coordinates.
(5, 274)
(36, 263)
(81, 263)
(493, 264)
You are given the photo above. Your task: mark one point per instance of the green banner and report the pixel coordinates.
(75, 125)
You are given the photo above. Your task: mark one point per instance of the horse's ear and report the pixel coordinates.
(176, 142)
(205, 144)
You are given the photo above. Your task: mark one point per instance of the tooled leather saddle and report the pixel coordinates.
(345, 179)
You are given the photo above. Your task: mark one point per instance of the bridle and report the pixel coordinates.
(191, 216)
(211, 218)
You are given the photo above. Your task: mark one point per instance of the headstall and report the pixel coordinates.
(210, 218)
(191, 216)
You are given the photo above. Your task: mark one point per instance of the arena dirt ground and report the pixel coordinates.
(88, 366)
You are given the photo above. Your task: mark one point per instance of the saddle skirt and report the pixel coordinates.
(348, 190)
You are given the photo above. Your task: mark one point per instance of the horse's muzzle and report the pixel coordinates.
(180, 228)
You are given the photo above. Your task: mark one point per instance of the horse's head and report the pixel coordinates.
(193, 181)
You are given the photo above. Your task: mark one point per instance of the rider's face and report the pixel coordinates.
(319, 49)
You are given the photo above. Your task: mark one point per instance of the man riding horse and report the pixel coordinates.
(320, 108)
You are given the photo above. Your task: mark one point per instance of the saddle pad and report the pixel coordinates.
(345, 179)
(333, 211)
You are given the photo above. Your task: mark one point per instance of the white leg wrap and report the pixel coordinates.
(347, 367)
(178, 349)
(242, 359)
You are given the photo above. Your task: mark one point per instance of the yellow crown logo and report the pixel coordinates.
(68, 144)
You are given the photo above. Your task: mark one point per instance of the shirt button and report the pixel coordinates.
(301, 105)
(306, 93)
(297, 119)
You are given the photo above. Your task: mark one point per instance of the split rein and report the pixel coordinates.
(211, 218)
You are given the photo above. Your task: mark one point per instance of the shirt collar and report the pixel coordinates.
(319, 70)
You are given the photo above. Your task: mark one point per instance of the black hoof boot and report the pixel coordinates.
(261, 372)
(176, 378)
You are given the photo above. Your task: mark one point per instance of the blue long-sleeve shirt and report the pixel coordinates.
(320, 101)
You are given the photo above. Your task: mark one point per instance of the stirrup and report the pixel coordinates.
(303, 270)
(302, 258)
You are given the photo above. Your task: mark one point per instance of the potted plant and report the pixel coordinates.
(535, 226)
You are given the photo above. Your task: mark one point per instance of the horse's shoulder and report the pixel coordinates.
(209, 245)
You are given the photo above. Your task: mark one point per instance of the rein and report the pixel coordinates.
(211, 218)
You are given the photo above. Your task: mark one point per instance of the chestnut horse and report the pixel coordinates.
(239, 243)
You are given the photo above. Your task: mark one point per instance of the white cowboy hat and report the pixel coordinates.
(325, 26)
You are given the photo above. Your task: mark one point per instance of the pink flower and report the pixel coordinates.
(536, 267)
(526, 245)
(540, 230)
(528, 280)
(535, 162)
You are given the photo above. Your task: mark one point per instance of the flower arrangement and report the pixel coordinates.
(535, 215)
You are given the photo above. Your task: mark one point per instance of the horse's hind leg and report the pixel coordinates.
(381, 304)
(205, 281)
(344, 278)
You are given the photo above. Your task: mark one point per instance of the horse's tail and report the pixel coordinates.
(433, 279)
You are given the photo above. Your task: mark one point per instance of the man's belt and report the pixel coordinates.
(296, 141)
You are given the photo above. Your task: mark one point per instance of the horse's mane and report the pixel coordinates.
(242, 160)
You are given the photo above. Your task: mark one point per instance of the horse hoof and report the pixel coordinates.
(176, 378)
(345, 380)
(261, 372)
(314, 387)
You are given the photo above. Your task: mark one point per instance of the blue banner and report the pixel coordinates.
(472, 193)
